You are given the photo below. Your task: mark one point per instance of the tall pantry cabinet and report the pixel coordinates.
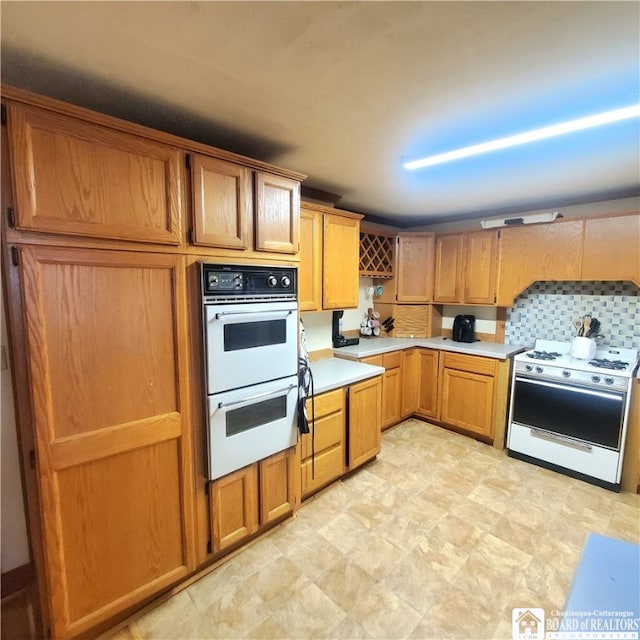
(95, 255)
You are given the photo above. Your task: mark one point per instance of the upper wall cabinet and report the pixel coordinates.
(227, 210)
(465, 268)
(414, 268)
(329, 250)
(612, 249)
(79, 178)
(222, 203)
(538, 252)
(377, 255)
(277, 213)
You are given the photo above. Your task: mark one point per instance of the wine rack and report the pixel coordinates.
(376, 254)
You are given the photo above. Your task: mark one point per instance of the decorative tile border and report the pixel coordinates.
(547, 309)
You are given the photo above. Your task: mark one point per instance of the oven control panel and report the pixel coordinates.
(576, 376)
(235, 282)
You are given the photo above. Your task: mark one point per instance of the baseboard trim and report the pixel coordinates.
(16, 579)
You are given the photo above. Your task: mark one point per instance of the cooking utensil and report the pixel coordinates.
(577, 325)
(586, 326)
(594, 328)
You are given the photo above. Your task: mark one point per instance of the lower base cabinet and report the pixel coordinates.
(246, 500)
(364, 427)
(428, 385)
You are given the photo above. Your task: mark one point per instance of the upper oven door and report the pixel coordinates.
(250, 343)
(589, 415)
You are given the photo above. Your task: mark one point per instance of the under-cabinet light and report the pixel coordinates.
(530, 136)
(530, 218)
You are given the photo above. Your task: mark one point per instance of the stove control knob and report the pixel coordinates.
(566, 374)
(285, 281)
(608, 380)
(539, 369)
(272, 281)
(528, 367)
(595, 379)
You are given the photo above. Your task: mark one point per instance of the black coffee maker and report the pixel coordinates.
(464, 328)
(337, 338)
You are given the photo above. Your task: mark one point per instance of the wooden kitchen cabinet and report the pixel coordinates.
(538, 252)
(340, 256)
(234, 507)
(108, 373)
(447, 272)
(377, 253)
(612, 249)
(277, 218)
(328, 462)
(480, 267)
(414, 267)
(410, 382)
(310, 268)
(279, 485)
(364, 421)
(79, 178)
(391, 385)
(467, 392)
(247, 500)
(466, 268)
(391, 389)
(222, 203)
(428, 397)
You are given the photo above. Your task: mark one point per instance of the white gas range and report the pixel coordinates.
(570, 414)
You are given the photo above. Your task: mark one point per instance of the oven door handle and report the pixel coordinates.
(221, 314)
(259, 396)
(609, 395)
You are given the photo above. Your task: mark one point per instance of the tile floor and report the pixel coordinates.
(440, 537)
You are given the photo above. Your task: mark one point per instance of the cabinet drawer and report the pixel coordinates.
(329, 466)
(326, 403)
(374, 360)
(392, 360)
(475, 364)
(329, 432)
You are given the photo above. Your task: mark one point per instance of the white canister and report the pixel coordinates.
(583, 348)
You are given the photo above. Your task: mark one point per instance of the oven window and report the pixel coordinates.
(593, 417)
(247, 335)
(255, 415)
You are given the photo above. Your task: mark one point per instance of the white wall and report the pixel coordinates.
(13, 534)
(317, 325)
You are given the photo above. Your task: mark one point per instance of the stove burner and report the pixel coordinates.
(603, 363)
(543, 355)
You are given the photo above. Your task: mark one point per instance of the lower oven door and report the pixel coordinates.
(587, 415)
(250, 343)
(246, 425)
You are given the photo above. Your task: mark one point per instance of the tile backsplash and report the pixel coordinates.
(547, 310)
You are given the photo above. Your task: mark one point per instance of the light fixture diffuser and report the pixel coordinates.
(587, 122)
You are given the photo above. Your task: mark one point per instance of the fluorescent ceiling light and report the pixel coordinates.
(529, 136)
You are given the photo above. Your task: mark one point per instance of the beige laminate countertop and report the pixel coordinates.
(375, 346)
(332, 373)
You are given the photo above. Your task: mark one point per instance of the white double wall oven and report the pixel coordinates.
(250, 327)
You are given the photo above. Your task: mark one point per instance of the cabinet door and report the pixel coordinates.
(222, 203)
(234, 507)
(410, 381)
(428, 403)
(467, 401)
(415, 268)
(612, 249)
(310, 268)
(277, 213)
(279, 485)
(448, 269)
(537, 252)
(340, 262)
(364, 428)
(105, 335)
(77, 178)
(480, 267)
(391, 397)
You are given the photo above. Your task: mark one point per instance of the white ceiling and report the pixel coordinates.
(345, 91)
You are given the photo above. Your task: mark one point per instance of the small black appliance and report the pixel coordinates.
(337, 338)
(464, 328)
